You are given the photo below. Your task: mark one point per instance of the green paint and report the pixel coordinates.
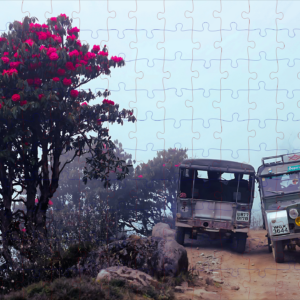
(294, 168)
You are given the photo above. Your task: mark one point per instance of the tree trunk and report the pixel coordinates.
(6, 218)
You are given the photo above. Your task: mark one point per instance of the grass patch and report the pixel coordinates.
(86, 288)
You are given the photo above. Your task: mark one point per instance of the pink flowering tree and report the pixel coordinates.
(45, 113)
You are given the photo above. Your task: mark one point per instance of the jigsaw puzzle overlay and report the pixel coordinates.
(220, 78)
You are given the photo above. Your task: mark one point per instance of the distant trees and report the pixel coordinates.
(91, 212)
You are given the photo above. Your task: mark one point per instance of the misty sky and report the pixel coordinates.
(224, 94)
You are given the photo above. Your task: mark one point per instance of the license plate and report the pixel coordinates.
(280, 229)
(242, 216)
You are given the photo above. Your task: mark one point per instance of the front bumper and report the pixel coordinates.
(214, 225)
(284, 237)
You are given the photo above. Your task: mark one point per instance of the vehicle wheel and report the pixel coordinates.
(180, 233)
(269, 245)
(291, 247)
(277, 250)
(239, 242)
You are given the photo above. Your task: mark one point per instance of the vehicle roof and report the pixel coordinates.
(217, 165)
(289, 163)
(282, 168)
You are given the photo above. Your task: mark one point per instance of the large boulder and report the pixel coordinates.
(154, 255)
(134, 277)
(163, 230)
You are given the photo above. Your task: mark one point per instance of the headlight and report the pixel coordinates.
(293, 213)
(297, 221)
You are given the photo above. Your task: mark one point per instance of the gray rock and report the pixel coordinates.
(127, 274)
(179, 289)
(155, 256)
(163, 230)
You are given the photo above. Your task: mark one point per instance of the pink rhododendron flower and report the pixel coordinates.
(36, 200)
(56, 79)
(42, 35)
(5, 59)
(61, 71)
(103, 53)
(50, 202)
(49, 34)
(83, 104)
(70, 66)
(5, 53)
(16, 55)
(96, 48)
(89, 68)
(71, 37)
(53, 56)
(3, 39)
(108, 102)
(45, 26)
(78, 65)
(89, 55)
(63, 15)
(43, 47)
(37, 81)
(24, 230)
(53, 19)
(34, 66)
(116, 59)
(140, 176)
(74, 93)
(30, 81)
(78, 43)
(23, 102)
(41, 96)
(57, 38)
(74, 53)
(29, 42)
(10, 72)
(0, 105)
(67, 81)
(15, 97)
(75, 29)
(32, 25)
(56, 27)
(51, 50)
(83, 62)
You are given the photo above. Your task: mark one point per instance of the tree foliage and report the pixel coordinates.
(44, 114)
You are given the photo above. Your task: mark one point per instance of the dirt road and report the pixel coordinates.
(225, 275)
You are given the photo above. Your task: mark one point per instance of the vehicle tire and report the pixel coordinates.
(291, 247)
(269, 245)
(239, 242)
(277, 250)
(180, 233)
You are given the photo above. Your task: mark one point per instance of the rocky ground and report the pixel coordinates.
(224, 275)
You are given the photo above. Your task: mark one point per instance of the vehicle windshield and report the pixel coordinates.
(281, 184)
(218, 186)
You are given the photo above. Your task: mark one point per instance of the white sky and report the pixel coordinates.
(174, 76)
